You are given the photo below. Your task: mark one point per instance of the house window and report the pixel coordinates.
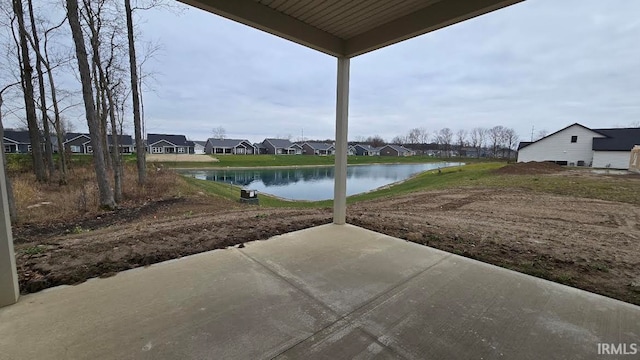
(7, 148)
(574, 138)
(181, 150)
(28, 148)
(75, 149)
(156, 150)
(89, 148)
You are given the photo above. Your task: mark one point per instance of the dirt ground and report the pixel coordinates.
(586, 243)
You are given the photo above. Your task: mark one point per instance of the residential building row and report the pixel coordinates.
(80, 143)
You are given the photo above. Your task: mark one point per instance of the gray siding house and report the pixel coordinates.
(281, 147)
(77, 143)
(230, 146)
(366, 150)
(125, 143)
(17, 142)
(168, 144)
(395, 150)
(318, 148)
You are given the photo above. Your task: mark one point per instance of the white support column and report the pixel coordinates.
(342, 116)
(9, 290)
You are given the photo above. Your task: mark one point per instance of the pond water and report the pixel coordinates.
(315, 183)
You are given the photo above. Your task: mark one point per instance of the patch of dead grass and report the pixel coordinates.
(50, 202)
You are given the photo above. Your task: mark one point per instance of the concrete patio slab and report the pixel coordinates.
(330, 292)
(343, 270)
(215, 305)
(464, 309)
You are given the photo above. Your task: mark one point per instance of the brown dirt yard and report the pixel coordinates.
(587, 243)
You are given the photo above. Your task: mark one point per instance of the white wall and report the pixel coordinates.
(199, 150)
(614, 159)
(558, 147)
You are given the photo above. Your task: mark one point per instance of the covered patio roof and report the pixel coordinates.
(348, 28)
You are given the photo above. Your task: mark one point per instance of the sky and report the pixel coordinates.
(541, 64)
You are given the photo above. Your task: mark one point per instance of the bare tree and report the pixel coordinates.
(376, 141)
(57, 121)
(478, 138)
(424, 136)
(43, 98)
(540, 134)
(495, 136)
(13, 214)
(400, 140)
(135, 96)
(445, 139)
(27, 86)
(461, 138)
(219, 133)
(511, 139)
(106, 195)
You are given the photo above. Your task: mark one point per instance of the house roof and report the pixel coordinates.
(279, 143)
(398, 148)
(72, 136)
(319, 145)
(617, 139)
(198, 142)
(346, 27)
(227, 143)
(18, 136)
(524, 144)
(178, 140)
(123, 140)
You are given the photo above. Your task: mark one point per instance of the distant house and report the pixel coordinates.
(198, 147)
(125, 143)
(168, 144)
(281, 147)
(578, 145)
(260, 149)
(298, 148)
(366, 150)
(351, 150)
(395, 150)
(318, 148)
(17, 141)
(77, 143)
(230, 146)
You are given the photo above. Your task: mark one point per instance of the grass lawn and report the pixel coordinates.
(472, 175)
(305, 160)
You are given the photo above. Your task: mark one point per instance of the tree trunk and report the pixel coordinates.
(106, 195)
(137, 123)
(26, 76)
(13, 213)
(43, 98)
(115, 143)
(57, 124)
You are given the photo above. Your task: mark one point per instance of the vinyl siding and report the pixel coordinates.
(558, 147)
(611, 159)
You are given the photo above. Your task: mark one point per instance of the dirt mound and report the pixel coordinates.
(529, 168)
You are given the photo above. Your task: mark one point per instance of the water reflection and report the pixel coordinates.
(315, 183)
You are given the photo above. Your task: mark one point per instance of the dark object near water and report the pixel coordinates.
(249, 196)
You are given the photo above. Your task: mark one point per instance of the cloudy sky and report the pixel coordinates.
(541, 63)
